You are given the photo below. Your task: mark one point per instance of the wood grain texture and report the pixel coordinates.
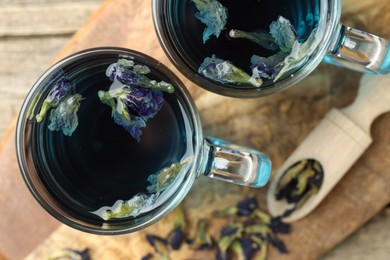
(56, 18)
(274, 124)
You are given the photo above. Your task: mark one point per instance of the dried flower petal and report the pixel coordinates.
(299, 54)
(145, 102)
(247, 207)
(58, 92)
(148, 256)
(161, 180)
(284, 33)
(278, 244)
(133, 75)
(159, 245)
(64, 117)
(225, 72)
(176, 237)
(244, 248)
(123, 209)
(213, 14)
(133, 97)
(71, 254)
(269, 67)
(263, 39)
(133, 126)
(202, 238)
(300, 182)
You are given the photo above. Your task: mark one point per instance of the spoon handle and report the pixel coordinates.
(336, 143)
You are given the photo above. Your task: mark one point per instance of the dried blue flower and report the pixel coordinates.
(176, 237)
(132, 125)
(145, 102)
(58, 92)
(275, 223)
(133, 97)
(159, 245)
(278, 244)
(247, 207)
(64, 117)
(300, 182)
(148, 256)
(71, 254)
(229, 230)
(263, 39)
(225, 72)
(284, 34)
(132, 75)
(244, 248)
(243, 208)
(213, 14)
(269, 67)
(203, 239)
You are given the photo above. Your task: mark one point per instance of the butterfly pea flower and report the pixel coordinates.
(213, 14)
(243, 208)
(202, 239)
(299, 54)
(275, 223)
(64, 117)
(244, 248)
(176, 237)
(160, 246)
(132, 75)
(145, 106)
(284, 34)
(263, 39)
(145, 102)
(300, 182)
(161, 180)
(71, 254)
(58, 92)
(269, 67)
(225, 72)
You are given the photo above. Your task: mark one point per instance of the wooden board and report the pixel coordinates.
(274, 124)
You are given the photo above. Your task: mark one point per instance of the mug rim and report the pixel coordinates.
(329, 19)
(170, 203)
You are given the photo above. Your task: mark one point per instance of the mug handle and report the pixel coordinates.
(360, 51)
(236, 164)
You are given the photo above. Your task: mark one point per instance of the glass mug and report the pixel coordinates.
(109, 141)
(310, 32)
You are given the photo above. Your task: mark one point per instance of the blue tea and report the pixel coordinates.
(110, 137)
(248, 43)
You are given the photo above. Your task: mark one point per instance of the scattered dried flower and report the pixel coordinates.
(299, 183)
(203, 239)
(71, 254)
(159, 245)
(176, 237)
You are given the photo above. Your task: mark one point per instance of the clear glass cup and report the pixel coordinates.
(210, 156)
(334, 43)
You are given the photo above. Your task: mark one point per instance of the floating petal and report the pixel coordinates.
(225, 72)
(64, 117)
(213, 14)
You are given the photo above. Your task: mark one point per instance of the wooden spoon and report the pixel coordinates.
(336, 143)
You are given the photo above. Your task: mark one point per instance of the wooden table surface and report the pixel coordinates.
(370, 242)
